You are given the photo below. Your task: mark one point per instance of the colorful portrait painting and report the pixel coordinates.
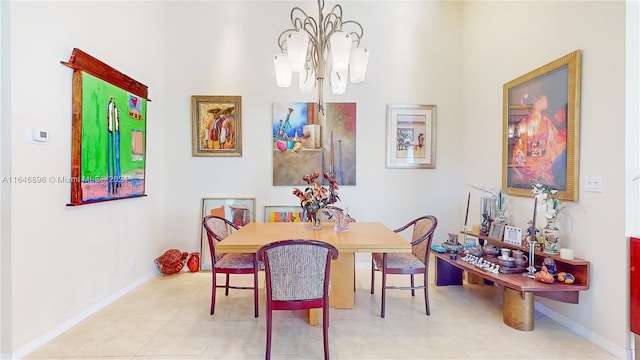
(540, 131)
(304, 142)
(216, 125)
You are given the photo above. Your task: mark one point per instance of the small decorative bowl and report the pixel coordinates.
(490, 250)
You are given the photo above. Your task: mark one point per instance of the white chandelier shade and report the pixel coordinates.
(340, 51)
(283, 70)
(338, 82)
(297, 45)
(358, 64)
(307, 79)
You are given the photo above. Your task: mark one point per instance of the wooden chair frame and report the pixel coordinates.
(323, 302)
(213, 239)
(383, 267)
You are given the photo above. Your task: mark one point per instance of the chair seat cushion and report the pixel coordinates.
(235, 261)
(398, 261)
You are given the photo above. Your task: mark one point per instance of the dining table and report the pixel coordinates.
(364, 237)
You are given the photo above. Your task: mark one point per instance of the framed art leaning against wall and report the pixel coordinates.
(283, 213)
(238, 210)
(540, 129)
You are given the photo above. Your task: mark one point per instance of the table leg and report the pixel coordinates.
(341, 295)
(517, 309)
(313, 316)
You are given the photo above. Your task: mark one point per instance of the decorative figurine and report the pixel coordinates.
(566, 277)
(486, 224)
(545, 276)
(525, 242)
(550, 264)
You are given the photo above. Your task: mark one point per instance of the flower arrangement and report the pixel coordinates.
(315, 196)
(548, 197)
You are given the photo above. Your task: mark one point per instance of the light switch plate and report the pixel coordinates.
(593, 184)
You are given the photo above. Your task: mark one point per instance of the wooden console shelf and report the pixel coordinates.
(579, 268)
(519, 290)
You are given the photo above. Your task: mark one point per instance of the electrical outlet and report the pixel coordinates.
(132, 262)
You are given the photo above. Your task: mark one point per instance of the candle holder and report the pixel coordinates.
(531, 270)
(533, 239)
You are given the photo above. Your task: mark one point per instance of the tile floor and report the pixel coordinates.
(168, 318)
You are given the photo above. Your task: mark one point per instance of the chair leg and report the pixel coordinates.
(226, 285)
(213, 292)
(354, 272)
(426, 293)
(413, 286)
(325, 329)
(267, 355)
(255, 290)
(384, 283)
(373, 275)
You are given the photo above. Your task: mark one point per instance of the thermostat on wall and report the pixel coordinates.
(39, 135)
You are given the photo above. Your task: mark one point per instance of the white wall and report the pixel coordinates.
(452, 54)
(68, 259)
(5, 163)
(518, 38)
(413, 61)
(632, 131)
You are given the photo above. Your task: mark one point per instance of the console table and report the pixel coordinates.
(519, 290)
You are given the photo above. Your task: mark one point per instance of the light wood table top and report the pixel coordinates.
(361, 237)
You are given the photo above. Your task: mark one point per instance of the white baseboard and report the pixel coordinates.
(49, 335)
(585, 333)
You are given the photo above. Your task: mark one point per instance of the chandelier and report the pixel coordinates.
(319, 48)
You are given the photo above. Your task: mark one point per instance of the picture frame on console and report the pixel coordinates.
(411, 136)
(513, 235)
(238, 210)
(216, 125)
(540, 129)
(496, 231)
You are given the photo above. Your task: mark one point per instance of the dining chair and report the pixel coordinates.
(416, 262)
(218, 228)
(297, 277)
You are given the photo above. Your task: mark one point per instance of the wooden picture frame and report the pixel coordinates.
(283, 213)
(540, 129)
(411, 137)
(238, 210)
(216, 125)
(496, 231)
(108, 125)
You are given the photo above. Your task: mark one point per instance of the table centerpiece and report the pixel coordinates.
(316, 197)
